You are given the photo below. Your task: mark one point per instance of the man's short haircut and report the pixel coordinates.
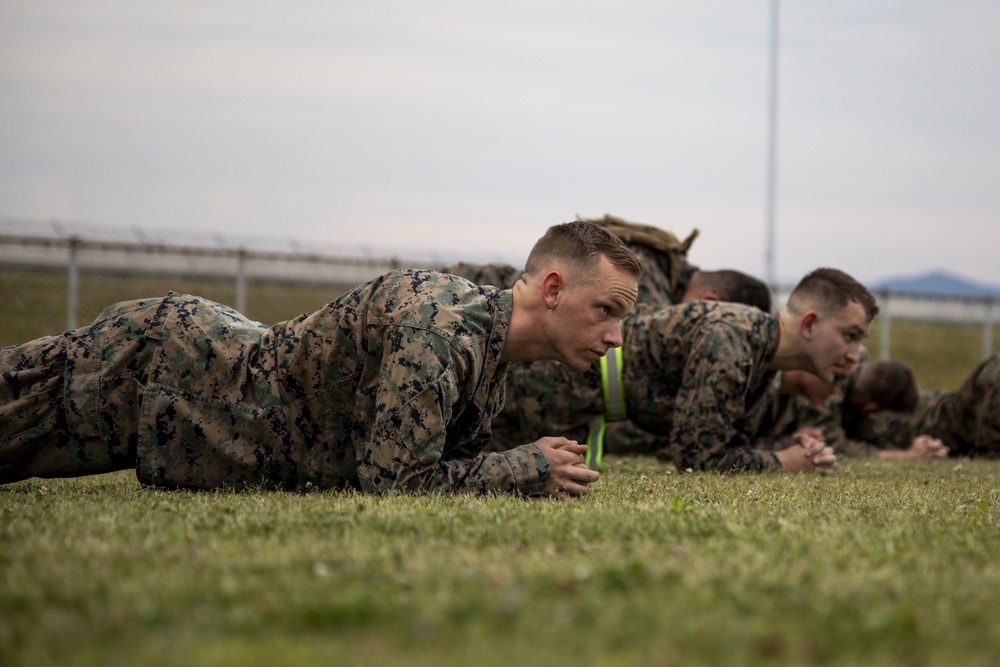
(737, 287)
(830, 290)
(580, 244)
(890, 384)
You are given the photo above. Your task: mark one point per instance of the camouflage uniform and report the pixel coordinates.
(695, 377)
(392, 386)
(665, 277)
(829, 417)
(967, 420)
(502, 276)
(839, 424)
(776, 418)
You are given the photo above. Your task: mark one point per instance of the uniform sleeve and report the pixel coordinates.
(421, 395)
(827, 418)
(710, 401)
(886, 429)
(772, 443)
(775, 421)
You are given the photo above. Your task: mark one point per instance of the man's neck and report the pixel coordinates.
(789, 356)
(523, 340)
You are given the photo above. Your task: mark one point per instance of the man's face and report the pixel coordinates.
(586, 321)
(834, 342)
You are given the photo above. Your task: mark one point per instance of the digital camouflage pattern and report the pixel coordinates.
(70, 403)
(694, 376)
(776, 418)
(967, 420)
(786, 414)
(840, 427)
(829, 417)
(665, 278)
(502, 276)
(390, 387)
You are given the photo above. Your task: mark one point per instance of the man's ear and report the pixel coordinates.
(552, 288)
(808, 323)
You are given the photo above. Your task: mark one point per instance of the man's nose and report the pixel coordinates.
(614, 336)
(854, 353)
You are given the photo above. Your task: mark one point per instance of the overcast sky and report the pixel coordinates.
(464, 128)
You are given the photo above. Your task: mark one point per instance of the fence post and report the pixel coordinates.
(241, 281)
(73, 282)
(883, 352)
(988, 327)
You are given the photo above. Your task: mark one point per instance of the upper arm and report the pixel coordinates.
(711, 397)
(412, 396)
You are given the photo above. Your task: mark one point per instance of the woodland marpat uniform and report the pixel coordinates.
(966, 420)
(775, 418)
(694, 375)
(840, 426)
(665, 277)
(391, 386)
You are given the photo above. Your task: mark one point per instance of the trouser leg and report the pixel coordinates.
(69, 403)
(32, 408)
(987, 409)
(968, 419)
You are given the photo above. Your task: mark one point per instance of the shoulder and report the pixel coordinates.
(699, 315)
(499, 275)
(433, 300)
(717, 330)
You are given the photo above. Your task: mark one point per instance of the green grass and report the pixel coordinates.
(879, 564)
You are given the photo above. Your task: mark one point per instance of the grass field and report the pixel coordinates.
(34, 302)
(878, 564)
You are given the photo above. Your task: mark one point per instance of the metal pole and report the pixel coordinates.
(988, 327)
(885, 317)
(772, 142)
(241, 281)
(73, 283)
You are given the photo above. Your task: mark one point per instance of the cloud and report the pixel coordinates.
(471, 127)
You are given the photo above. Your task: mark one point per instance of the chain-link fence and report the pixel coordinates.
(56, 276)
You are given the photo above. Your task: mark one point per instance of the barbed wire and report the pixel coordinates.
(57, 229)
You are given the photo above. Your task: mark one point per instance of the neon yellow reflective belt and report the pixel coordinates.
(614, 406)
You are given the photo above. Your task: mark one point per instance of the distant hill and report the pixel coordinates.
(937, 282)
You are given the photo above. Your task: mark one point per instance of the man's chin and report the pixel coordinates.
(827, 377)
(578, 365)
